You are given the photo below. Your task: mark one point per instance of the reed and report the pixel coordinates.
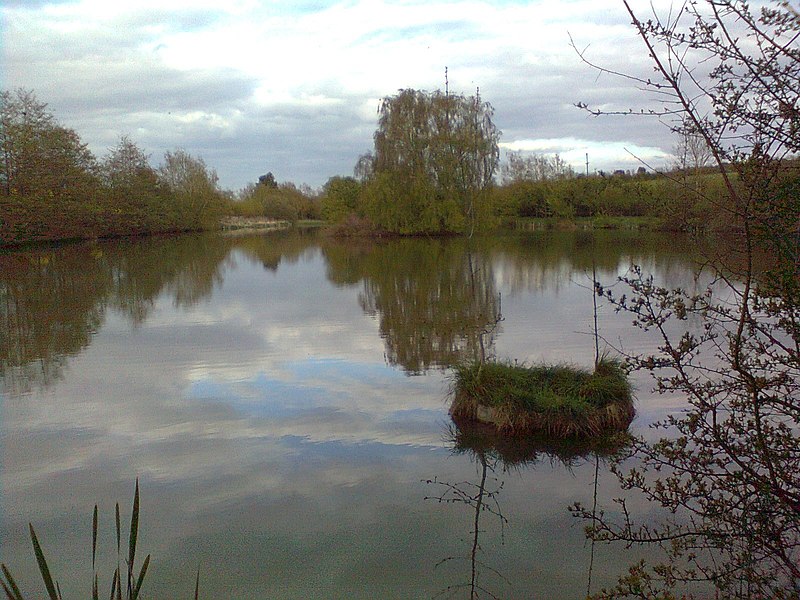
(554, 400)
(132, 583)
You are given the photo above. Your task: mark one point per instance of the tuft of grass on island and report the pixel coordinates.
(559, 401)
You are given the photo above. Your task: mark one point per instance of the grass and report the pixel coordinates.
(559, 401)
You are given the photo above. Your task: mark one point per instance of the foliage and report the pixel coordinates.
(282, 202)
(194, 186)
(434, 161)
(137, 197)
(526, 199)
(52, 187)
(41, 158)
(340, 198)
(268, 180)
(727, 470)
(409, 207)
(594, 196)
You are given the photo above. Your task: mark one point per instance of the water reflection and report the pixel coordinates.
(495, 455)
(436, 300)
(50, 304)
(433, 299)
(243, 380)
(54, 299)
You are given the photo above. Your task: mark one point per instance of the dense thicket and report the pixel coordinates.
(53, 187)
(278, 201)
(677, 199)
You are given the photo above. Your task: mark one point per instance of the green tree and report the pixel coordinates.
(535, 167)
(49, 187)
(434, 160)
(268, 180)
(125, 165)
(340, 198)
(137, 202)
(194, 187)
(727, 470)
(282, 202)
(39, 156)
(526, 189)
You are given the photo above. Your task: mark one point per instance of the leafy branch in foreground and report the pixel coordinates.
(132, 583)
(726, 471)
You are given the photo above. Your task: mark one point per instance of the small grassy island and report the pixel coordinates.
(558, 401)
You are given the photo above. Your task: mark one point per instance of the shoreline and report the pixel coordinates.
(239, 223)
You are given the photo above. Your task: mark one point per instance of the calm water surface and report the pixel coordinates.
(283, 400)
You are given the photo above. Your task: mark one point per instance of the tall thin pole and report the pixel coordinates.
(594, 306)
(587, 164)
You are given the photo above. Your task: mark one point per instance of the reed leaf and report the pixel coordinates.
(43, 568)
(13, 593)
(117, 574)
(7, 591)
(132, 537)
(140, 580)
(114, 584)
(134, 583)
(197, 585)
(94, 538)
(118, 533)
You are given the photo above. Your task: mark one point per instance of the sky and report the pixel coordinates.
(293, 88)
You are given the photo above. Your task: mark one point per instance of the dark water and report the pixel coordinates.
(283, 400)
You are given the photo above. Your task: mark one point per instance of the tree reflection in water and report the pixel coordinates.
(436, 300)
(494, 452)
(53, 299)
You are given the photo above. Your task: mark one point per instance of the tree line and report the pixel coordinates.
(435, 169)
(53, 187)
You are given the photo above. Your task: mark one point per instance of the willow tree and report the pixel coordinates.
(434, 161)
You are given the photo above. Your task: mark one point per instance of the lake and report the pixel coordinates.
(282, 398)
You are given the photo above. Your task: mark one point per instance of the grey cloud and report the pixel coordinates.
(110, 80)
(292, 142)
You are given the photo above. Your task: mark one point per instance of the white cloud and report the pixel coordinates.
(602, 155)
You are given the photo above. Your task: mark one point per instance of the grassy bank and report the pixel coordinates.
(588, 223)
(559, 401)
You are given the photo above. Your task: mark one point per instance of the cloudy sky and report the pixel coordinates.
(293, 87)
